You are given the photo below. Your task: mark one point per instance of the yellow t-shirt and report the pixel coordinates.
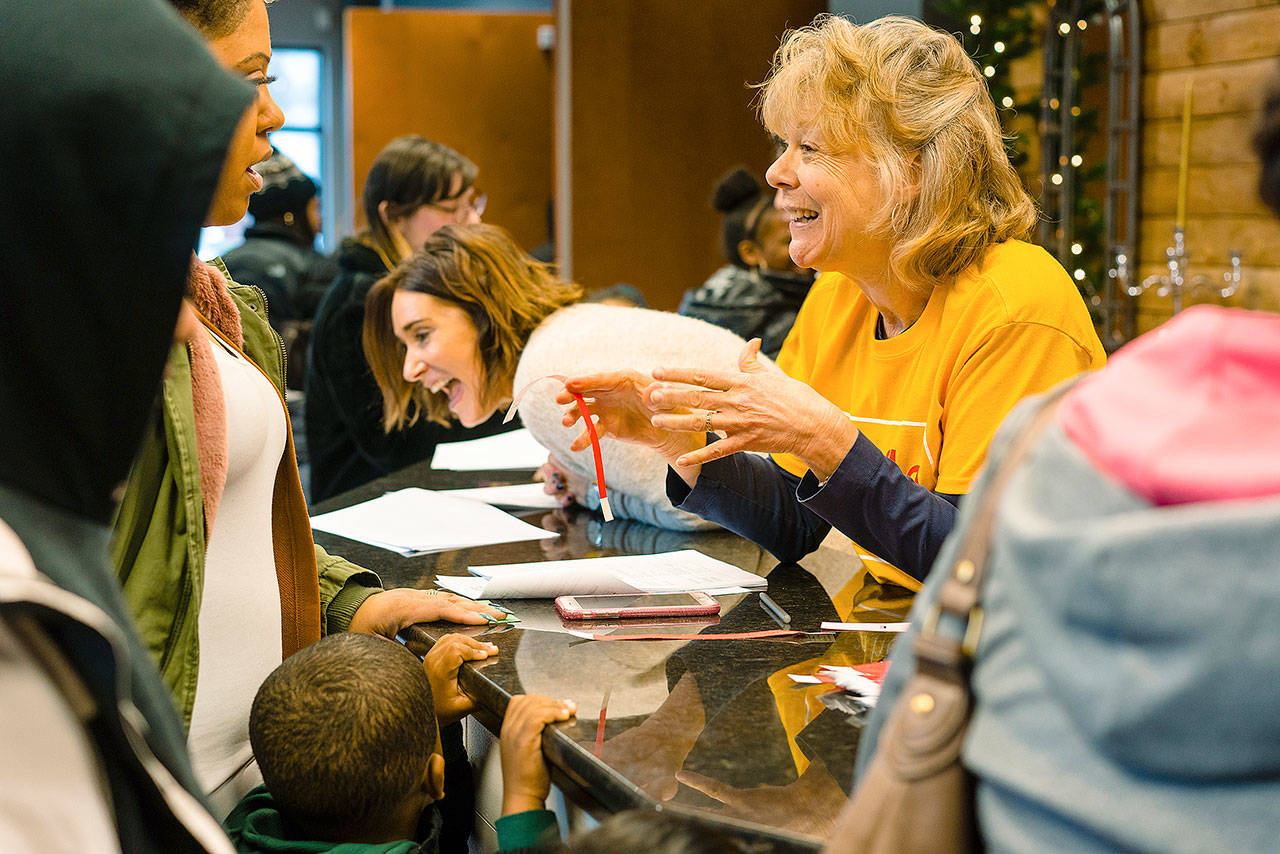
(931, 397)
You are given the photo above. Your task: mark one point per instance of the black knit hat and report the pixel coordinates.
(285, 188)
(742, 200)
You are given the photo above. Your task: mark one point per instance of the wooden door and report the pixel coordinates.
(653, 105)
(476, 82)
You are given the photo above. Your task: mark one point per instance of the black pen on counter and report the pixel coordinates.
(773, 609)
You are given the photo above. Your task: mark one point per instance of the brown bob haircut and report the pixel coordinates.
(410, 172)
(482, 270)
(910, 101)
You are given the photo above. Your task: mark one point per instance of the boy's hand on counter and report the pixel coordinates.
(442, 663)
(525, 779)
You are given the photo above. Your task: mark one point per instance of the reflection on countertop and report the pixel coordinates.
(716, 729)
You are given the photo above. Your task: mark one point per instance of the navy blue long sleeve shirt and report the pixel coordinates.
(867, 498)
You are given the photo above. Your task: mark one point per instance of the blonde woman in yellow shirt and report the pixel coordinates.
(930, 320)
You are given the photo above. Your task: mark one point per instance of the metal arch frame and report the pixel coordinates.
(1123, 19)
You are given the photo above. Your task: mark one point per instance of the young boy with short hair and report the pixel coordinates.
(346, 736)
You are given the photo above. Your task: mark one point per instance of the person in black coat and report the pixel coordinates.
(278, 253)
(279, 256)
(414, 187)
(758, 294)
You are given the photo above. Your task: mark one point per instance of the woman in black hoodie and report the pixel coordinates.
(108, 162)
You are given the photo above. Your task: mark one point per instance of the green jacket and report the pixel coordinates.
(257, 827)
(159, 541)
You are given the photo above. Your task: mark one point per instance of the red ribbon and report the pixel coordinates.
(591, 431)
(595, 450)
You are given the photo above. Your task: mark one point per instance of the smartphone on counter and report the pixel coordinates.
(624, 605)
(644, 625)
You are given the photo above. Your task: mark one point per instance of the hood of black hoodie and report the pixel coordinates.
(114, 137)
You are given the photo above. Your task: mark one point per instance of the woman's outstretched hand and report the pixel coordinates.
(617, 403)
(389, 611)
(756, 408)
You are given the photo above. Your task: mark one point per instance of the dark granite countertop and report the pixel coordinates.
(713, 729)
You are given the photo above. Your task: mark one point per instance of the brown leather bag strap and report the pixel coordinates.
(945, 656)
(916, 795)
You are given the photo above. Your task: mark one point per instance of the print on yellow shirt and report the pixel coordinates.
(932, 397)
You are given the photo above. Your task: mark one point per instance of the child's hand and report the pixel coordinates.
(525, 780)
(442, 663)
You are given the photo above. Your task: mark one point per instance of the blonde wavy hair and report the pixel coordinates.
(482, 270)
(908, 99)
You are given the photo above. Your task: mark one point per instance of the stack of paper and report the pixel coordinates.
(415, 521)
(669, 572)
(517, 496)
(515, 450)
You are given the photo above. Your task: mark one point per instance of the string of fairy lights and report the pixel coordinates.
(996, 33)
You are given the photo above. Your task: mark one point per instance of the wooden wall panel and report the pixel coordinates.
(1177, 10)
(1254, 237)
(476, 82)
(660, 108)
(1234, 36)
(1228, 50)
(1235, 88)
(1217, 140)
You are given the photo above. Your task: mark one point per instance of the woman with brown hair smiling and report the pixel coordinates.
(415, 186)
(467, 322)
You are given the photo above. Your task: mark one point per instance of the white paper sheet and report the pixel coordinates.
(519, 496)
(414, 521)
(515, 450)
(865, 627)
(669, 572)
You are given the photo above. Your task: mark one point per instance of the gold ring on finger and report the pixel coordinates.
(707, 423)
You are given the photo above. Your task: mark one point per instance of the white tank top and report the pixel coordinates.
(239, 621)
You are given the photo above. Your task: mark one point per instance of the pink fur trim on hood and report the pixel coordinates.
(206, 289)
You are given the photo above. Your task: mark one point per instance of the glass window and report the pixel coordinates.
(298, 89)
(297, 86)
(303, 148)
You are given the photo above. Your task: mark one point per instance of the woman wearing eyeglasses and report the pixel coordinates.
(414, 187)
